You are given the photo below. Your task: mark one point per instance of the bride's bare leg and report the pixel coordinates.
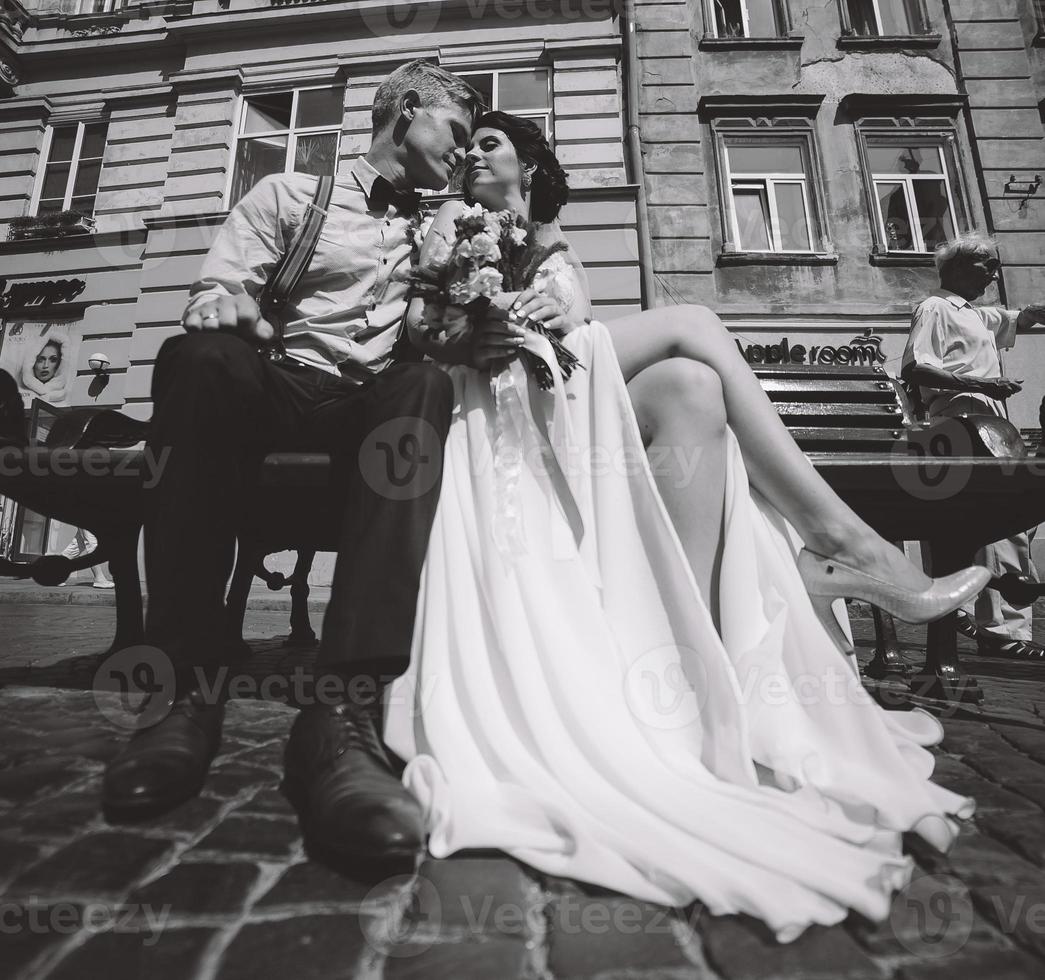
(682, 417)
(775, 464)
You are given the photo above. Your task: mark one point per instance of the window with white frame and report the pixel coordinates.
(68, 181)
(523, 92)
(100, 6)
(886, 18)
(283, 132)
(747, 18)
(915, 197)
(771, 203)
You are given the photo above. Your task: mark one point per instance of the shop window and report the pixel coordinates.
(68, 181)
(746, 18)
(41, 355)
(26, 534)
(884, 18)
(915, 199)
(284, 132)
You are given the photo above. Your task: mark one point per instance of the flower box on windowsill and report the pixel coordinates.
(879, 257)
(889, 42)
(751, 43)
(777, 258)
(57, 224)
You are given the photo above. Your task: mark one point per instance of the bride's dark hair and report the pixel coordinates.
(549, 190)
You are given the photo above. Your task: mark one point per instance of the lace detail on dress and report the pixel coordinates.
(555, 278)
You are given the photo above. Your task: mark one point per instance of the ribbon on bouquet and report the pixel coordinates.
(515, 425)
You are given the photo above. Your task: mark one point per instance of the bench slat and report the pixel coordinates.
(846, 413)
(801, 389)
(845, 440)
(829, 372)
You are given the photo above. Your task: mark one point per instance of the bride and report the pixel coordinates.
(632, 674)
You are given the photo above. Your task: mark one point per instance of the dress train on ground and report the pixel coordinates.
(571, 703)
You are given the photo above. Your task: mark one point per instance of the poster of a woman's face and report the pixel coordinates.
(41, 357)
(48, 362)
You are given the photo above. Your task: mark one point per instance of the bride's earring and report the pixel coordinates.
(527, 180)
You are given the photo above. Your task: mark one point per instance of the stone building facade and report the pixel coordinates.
(874, 110)
(151, 118)
(787, 162)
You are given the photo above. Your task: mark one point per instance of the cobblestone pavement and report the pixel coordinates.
(221, 888)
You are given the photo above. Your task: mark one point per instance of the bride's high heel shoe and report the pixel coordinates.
(827, 579)
(823, 606)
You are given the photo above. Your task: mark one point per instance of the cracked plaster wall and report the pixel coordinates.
(827, 299)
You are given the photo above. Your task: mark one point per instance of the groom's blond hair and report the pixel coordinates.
(435, 85)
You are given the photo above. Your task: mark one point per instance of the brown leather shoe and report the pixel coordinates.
(166, 764)
(352, 807)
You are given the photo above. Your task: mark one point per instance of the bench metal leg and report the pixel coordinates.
(121, 545)
(886, 661)
(301, 632)
(941, 675)
(248, 557)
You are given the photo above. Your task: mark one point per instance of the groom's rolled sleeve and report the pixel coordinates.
(250, 242)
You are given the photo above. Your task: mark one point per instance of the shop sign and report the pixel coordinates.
(865, 349)
(42, 292)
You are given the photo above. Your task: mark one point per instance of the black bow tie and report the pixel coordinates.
(382, 194)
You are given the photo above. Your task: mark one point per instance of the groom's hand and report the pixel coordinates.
(494, 341)
(237, 314)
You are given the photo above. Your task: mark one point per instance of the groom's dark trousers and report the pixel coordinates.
(219, 408)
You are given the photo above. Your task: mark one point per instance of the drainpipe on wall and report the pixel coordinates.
(633, 144)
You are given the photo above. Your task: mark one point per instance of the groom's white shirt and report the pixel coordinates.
(345, 313)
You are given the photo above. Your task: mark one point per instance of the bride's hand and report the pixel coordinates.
(541, 307)
(494, 341)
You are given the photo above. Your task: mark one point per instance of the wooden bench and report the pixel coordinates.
(911, 481)
(838, 411)
(907, 481)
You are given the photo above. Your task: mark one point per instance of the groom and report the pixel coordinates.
(220, 407)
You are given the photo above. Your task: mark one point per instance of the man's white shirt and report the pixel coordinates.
(949, 333)
(345, 313)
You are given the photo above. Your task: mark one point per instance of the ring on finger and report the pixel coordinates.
(210, 316)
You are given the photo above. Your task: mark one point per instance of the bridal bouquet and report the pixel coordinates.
(493, 252)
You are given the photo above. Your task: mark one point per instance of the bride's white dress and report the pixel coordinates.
(570, 702)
